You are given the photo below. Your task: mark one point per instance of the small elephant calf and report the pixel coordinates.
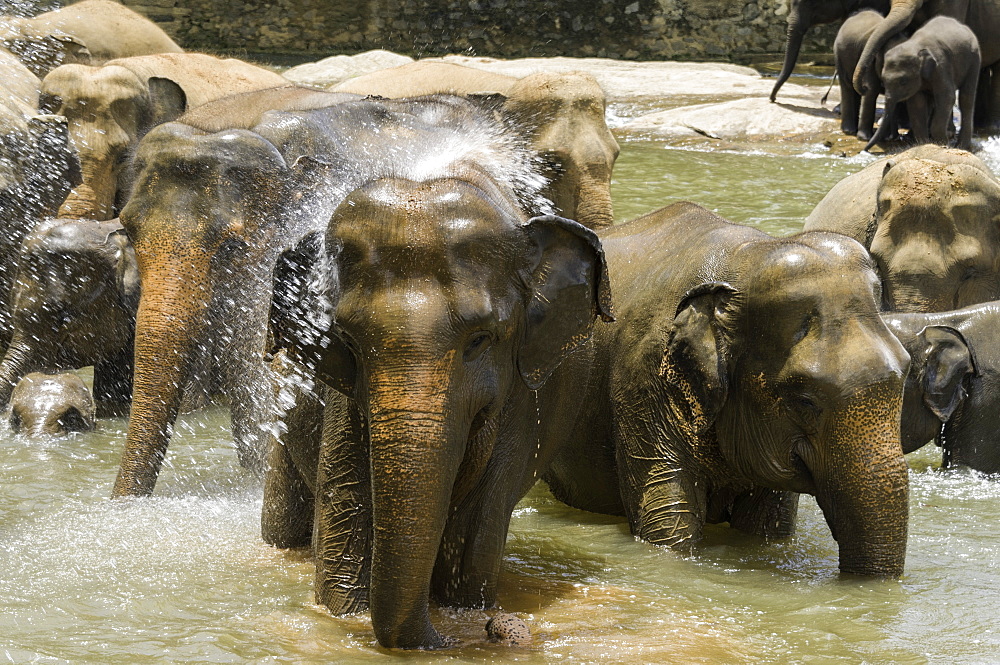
(51, 404)
(952, 392)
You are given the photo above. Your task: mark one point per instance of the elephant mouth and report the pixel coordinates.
(802, 480)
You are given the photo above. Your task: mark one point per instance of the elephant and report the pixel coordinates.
(561, 115)
(857, 112)
(110, 107)
(229, 202)
(982, 17)
(38, 167)
(73, 306)
(942, 56)
(804, 14)
(87, 32)
(933, 232)
(51, 404)
(951, 392)
(742, 369)
(433, 308)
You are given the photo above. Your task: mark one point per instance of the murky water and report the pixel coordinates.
(184, 576)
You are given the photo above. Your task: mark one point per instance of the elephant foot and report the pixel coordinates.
(508, 629)
(864, 135)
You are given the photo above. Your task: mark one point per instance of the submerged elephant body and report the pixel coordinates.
(73, 306)
(451, 310)
(742, 369)
(951, 394)
(51, 404)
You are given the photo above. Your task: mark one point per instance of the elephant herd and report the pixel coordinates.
(919, 53)
(411, 294)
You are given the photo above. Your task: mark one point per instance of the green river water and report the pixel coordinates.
(184, 576)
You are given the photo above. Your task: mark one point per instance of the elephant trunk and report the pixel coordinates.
(18, 361)
(94, 198)
(415, 453)
(898, 18)
(171, 312)
(793, 43)
(594, 208)
(862, 486)
(888, 120)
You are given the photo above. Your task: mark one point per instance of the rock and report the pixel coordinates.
(337, 68)
(508, 629)
(742, 118)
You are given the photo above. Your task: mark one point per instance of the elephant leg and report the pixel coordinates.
(942, 116)
(252, 412)
(765, 512)
(849, 109)
(920, 120)
(665, 503)
(113, 384)
(866, 123)
(342, 534)
(966, 106)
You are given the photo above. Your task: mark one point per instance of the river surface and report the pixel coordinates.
(184, 576)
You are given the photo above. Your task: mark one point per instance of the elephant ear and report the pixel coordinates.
(947, 360)
(927, 64)
(127, 269)
(56, 164)
(303, 304)
(568, 288)
(696, 359)
(167, 102)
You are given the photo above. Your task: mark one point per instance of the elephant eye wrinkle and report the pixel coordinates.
(476, 346)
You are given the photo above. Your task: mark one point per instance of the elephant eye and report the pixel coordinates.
(476, 346)
(804, 410)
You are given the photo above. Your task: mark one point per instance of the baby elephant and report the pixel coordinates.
(925, 71)
(51, 404)
(951, 393)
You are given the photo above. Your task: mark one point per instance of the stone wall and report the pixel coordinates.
(631, 29)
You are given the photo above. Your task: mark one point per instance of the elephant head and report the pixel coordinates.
(450, 309)
(563, 115)
(74, 299)
(109, 108)
(941, 369)
(804, 14)
(901, 15)
(50, 404)
(937, 237)
(802, 384)
(204, 218)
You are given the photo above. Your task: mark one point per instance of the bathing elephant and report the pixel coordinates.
(857, 112)
(804, 14)
(110, 107)
(73, 306)
(38, 167)
(982, 17)
(741, 370)
(934, 234)
(561, 116)
(51, 404)
(952, 389)
(924, 71)
(850, 205)
(452, 306)
(87, 32)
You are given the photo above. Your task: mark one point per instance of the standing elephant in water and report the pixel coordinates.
(111, 107)
(73, 306)
(742, 369)
(88, 32)
(924, 71)
(452, 310)
(804, 14)
(931, 220)
(982, 17)
(561, 115)
(952, 390)
(50, 404)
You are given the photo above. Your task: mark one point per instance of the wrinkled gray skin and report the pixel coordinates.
(38, 167)
(73, 306)
(804, 14)
(925, 71)
(87, 32)
(742, 369)
(51, 404)
(857, 112)
(952, 390)
(452, 310)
